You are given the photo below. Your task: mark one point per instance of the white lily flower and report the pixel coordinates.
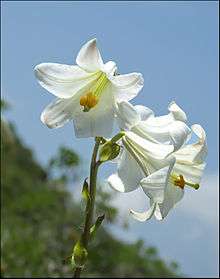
(165, 187)
(156, 158)
(150, 140)
(139, 158)
(87, 92)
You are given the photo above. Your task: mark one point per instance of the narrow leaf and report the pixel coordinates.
(97, 224)
(85, 190)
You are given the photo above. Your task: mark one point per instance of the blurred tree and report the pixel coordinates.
(41, 222)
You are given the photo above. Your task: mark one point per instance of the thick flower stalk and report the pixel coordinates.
(80, 253)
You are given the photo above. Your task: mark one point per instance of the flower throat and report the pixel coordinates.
(91, 98)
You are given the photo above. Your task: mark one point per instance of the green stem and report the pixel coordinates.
(90, 202)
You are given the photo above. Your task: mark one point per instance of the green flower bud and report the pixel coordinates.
(79, 255)
(109, 151)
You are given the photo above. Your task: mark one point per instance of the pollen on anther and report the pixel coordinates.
(179, 181)
(83, 100)
(88, 101)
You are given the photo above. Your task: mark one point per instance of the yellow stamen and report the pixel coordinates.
(83, 100)
(88, 101)
(178, 180)
(91, 98)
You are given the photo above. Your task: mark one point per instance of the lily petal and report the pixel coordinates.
(64, 81)
(177, 112)
(155, 184)
(172, 195)
(128, 175)
(179, 133)
(144, 112)
(127, 86)
(144, 216)
(194, 153)
(57, 113)
(127, 115)
(109, 68)
(175, 132)
(146, 147)
(89, 57)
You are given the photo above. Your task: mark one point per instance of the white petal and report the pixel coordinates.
(144, 112)
(157, 213)
(126, 87)
(128, 176)
(109, 68)
(193, 153)
(175, 132)
(59, 112)
(89, 57)
(64, 81)
(177, 112)
(98, 121)
(116, 183)
(155, 184)
(200, 132)
(144, 216)
(172, 195)
(148, 148)
(179, 133)
(127, 116)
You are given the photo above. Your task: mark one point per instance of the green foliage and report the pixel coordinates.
(4, 105)
(65, 158)
(41, 222)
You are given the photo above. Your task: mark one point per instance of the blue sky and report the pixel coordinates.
(174, 45)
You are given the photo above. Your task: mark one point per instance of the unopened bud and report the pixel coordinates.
(79, 255)
(109, 151)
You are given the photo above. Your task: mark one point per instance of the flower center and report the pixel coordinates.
(178, 180)
(91, 98)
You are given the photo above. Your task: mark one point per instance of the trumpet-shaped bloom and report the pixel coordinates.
(165, 187)
(149, 139)
(155, 156)
(86, 93)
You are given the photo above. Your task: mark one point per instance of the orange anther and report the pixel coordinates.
(88, 101)
(83, 100)
(179, 181)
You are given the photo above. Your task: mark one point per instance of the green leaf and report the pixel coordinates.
(85, 190)
(97, 224)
